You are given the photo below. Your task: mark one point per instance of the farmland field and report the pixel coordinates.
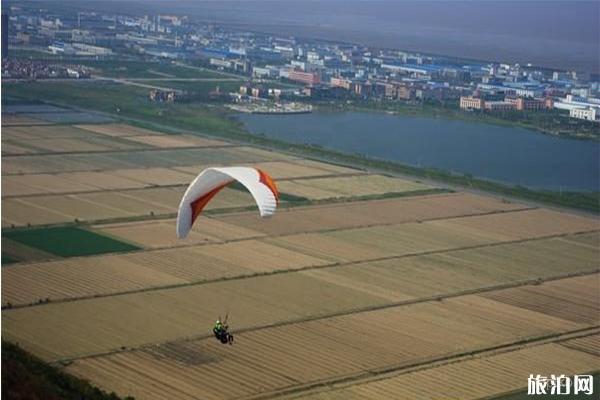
(322, 188)
(68, 241)
(396, 279)
(156, 234)
(48, 209)
(479, 378)
(142, 159)
(118, 130)
(349, 293)
(324, 349)
(375, 212)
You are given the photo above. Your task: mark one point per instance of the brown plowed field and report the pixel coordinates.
(454, 271)
(524, 224)
(156, 176)
(367, 213)
(107, 205)
(171, 141)
(344, 293)
(472, 379)
(321, 350)
(70, 329)
(117, 130)
(154, 234)
(77, 277)
(576, 299)
(19, 212)
(361, 185)
(382, 241)
(89, 276)
(588, 344)
(52, 163)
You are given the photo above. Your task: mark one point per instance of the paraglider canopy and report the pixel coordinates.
(212, 180)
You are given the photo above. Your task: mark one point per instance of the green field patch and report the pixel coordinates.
(6, 259)
(68, 241)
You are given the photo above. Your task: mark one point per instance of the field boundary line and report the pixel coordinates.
(140, 150)
(149, 185)
(350, 311)
(390, 372)
(96, 227)
(290, 270)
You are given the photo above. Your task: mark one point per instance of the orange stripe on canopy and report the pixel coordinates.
(199, 204)
(266, 180)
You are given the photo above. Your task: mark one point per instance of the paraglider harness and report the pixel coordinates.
(221, 333)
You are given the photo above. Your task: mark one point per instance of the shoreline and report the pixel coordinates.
(452, 114)
(221, 123)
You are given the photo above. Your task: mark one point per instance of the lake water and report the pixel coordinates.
(505, 154)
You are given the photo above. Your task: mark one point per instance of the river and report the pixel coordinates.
(504, 154)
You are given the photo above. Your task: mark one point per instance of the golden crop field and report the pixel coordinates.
(156, 176)
(14, 186)
(18, 212)
(101, 180)
(48, 209)
(157, 234)
(524, 224)
(78, 277)
(323, 349)
(60, 138)
(369, 213)
(167, 141)
(407, 278)
(43, 184)
(589, 344)
(145, 158)
(361, 185)
(580, 298)
(361, 244)
(89, 276)
(117, 130)
(334, 300)
(292, 169)
(472, 379)
(67, 330)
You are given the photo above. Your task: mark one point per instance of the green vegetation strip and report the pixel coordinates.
(68, 241)
(131, 103)
(25, 376)
(6, 259)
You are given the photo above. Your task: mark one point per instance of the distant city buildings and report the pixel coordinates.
(26, 69)
(588, 114)
(471, 103)
(321, 70)
(308, 78)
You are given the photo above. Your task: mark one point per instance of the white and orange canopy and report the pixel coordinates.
(210, 181)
